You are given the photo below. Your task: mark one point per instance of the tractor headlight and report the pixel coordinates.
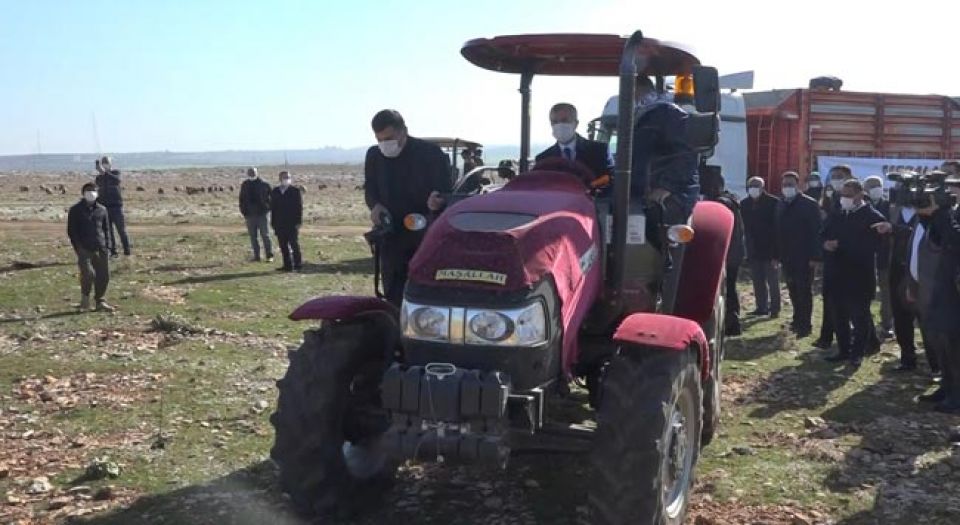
(430, 323)
(490, 326)
(520, 327)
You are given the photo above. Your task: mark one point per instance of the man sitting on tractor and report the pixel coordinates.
(664, 164)
(572, 146)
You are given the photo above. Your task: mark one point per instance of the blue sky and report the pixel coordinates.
(211, 75)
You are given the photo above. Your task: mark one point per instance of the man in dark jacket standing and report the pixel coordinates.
(286, 216)
(403, 175)
(88, 230)
(873, 186)
(713, 185)
(108, 187)
(814, 186)
(852, 238)
(254, 206)
(759, 211)
(798, 234)
(944, 309)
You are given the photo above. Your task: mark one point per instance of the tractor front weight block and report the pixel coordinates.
(442, 413)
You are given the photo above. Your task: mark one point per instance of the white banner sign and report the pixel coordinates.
(865, 167)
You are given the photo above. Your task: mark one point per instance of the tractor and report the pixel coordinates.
(514, 296)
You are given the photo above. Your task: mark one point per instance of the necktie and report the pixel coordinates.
(567, 153)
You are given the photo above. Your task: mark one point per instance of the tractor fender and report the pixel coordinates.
(666, 332)
(704, 261)
(341, 308)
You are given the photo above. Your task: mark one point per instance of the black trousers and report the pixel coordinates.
(94, 272)
(853, 323)
(732, 303)
(395, 254)
(117, 221)
(948, 346)
(289, 240)
(904, 316)
(799, 278)
(827, 319)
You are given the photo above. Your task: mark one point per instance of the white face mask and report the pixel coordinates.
(846, 203)
(90, 196)
(390, 148)
(564, 132)
(876, 194)
(252, 176)
(836, 183)
(285, 182)
(789, 192)
(754, 192)
(814, 184)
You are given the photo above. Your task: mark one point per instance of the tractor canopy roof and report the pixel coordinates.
(453, 142)
(574, 54)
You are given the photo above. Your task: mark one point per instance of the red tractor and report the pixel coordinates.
(513, 296)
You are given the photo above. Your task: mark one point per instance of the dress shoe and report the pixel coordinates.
(822, 345)
(936, 396)
(838, 357)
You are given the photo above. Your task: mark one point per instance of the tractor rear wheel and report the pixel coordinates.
(712, 385)
(329, 421)
(648, 438)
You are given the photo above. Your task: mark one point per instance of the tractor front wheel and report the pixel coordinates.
(329, 421)
(648, 438)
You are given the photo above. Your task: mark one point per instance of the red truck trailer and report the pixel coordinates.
(789, 129)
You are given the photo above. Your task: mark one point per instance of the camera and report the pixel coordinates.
(916, 190)
(379, 231)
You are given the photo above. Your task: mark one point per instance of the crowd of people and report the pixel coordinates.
(867, 244)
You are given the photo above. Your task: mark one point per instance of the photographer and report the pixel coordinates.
(943, 221)
(402, 175)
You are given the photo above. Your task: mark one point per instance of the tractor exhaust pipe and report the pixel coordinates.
(631, 64)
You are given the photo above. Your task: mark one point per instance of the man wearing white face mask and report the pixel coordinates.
(89, 230)
(255, 206)
(851, 239)
(403, 175)
(759, 212)
(573, 147)
(798, 235)
(874, 188)
(286, 216)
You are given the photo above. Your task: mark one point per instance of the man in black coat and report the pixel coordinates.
(403, 175)
(713, 185)
(88, 229)
(851, 239)
(798, 223)
(943, 319)
(873, 186)
(108, 189)
(572, 146)
(255, 206)
(286, 216)
(759, 211)
(814, 186)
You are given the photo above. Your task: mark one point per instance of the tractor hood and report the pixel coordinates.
(539, 225)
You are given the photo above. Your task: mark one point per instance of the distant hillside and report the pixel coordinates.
(170, 159)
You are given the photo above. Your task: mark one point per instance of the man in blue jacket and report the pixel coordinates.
(851, 238)
(108, 188)
(664, 164)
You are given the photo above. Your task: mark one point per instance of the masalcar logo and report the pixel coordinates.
(480, 276)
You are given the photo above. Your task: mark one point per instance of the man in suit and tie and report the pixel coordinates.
(572, 146)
